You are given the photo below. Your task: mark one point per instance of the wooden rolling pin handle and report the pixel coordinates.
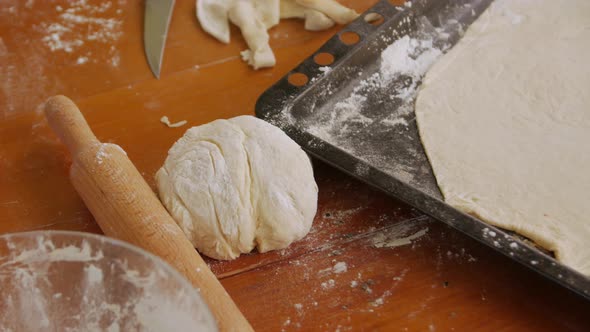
(69, 124)
(125, 207)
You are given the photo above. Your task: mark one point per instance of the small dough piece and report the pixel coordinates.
(167, 122)
(314, 20)
(255, 17)
(213, 16)
(235, 184)
(504, 117)
(244, 15)
(334, 10)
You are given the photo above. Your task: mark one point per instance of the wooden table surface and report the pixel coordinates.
(92, 51)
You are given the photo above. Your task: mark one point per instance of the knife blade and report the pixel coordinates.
(155, 29)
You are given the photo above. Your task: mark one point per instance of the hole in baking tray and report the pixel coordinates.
(323, 59)
(350, 38)
(298, 79)
(374, 19)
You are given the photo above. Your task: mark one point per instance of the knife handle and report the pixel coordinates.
(125, 207)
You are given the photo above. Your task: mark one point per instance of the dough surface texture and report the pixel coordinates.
(236, 184)
(504, 117)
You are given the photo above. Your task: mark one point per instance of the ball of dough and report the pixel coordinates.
(236, 184)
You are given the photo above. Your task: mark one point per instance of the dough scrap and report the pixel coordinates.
(244, 15)
(505, 120)
(167, 122)
(235, 184)
(314, 20)
(255, 17)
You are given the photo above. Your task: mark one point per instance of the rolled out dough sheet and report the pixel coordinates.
(505, 120)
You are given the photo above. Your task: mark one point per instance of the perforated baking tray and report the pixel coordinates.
(380, 145)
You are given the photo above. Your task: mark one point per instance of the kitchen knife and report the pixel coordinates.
(155, 28)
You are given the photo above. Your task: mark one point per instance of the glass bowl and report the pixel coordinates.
(72, 281)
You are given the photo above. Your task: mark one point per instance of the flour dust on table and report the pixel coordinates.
(505, 122)
(80, 23)
(232, 185)
(76, 33)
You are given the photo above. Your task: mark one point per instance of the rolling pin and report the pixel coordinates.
(126, 208)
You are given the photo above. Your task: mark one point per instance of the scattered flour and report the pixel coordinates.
(328, 284)
(371, 115)
(75, 33)
(84, 25)
(396, 121)
(340, 267)
(101, 154)
(377, 302)
(399, 235)
(82, 60)
(391, 243)
(380, 300)
(407, 57)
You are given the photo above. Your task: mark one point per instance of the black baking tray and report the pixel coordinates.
(391, 158)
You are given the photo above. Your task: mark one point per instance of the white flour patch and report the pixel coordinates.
(390, 242)
(82, 60)
(76, 33)
(380, 300)
(371, 116)
(328, 284)
(407, 57)
(396, 121)
(101, 154)
(401, 234)
(340, 267)
(82, 25)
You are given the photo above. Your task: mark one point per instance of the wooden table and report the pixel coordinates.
(442, 281)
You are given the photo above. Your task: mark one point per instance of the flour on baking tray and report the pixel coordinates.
(408, 57)
(371, 114)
